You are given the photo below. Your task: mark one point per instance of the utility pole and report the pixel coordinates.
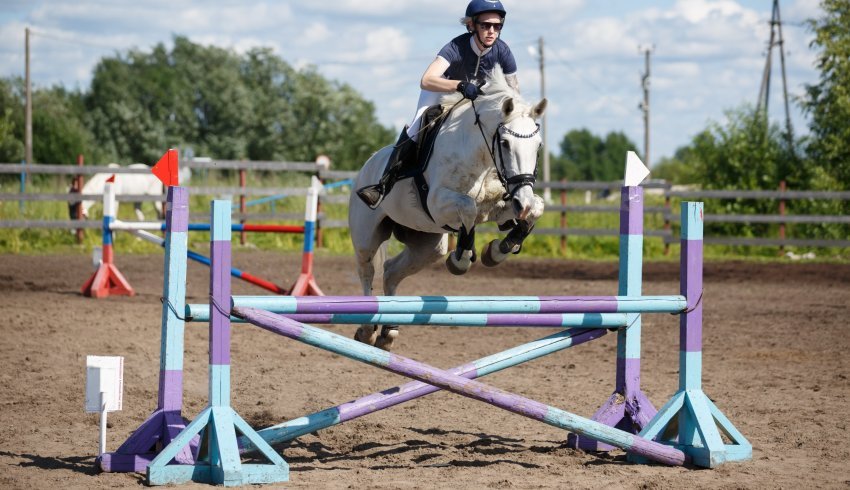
(644, 106)
(547, 193)
(28, 109)
(776, 39)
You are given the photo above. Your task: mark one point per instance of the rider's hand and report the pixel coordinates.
(469, 90)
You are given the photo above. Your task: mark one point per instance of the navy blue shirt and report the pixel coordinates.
(464, 63)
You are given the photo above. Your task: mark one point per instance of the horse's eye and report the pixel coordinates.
(504, 143)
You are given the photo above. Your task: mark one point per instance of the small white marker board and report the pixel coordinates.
(636, 171)
(104, 375)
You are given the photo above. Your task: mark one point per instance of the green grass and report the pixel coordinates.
(337, 241)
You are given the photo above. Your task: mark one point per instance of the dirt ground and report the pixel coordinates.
(775, 362)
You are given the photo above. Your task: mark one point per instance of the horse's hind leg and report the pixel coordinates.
(421, 250)
(367, 236)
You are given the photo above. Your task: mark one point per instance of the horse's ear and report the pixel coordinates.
(507, 107)
(539, 109)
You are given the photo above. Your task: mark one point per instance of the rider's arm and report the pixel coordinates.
(433, 78)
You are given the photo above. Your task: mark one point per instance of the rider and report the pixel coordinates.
(461, 65)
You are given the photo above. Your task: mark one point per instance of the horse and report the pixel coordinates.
(482, 168)
(127, 185)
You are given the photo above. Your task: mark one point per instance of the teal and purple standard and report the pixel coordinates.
(166, 421)
(218, 461)
(627, 408)
(701, 425)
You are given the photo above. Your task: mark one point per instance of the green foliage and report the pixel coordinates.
(230, 106)
(828, 101)
(743, 153)
(585, 156)
(678, 169)
(11, 122)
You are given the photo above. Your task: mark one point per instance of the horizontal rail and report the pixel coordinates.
(56, 169)
(462, 304)
(48, 225)
(772, 242)
(736, 194)
(600, 209)
(591, 185)
(201, 313)
(12, 168)
(770, 218)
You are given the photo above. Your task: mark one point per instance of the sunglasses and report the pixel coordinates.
(486, 26)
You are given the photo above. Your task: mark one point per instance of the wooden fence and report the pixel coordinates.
(561, 190)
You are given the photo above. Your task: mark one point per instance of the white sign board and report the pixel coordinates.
(636, 171)
(104, 375)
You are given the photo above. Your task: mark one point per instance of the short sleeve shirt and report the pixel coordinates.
(464, 64)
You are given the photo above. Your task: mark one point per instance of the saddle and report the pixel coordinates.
(430, 127)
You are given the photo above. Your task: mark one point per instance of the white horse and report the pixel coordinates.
(482, 168)
(129, 185)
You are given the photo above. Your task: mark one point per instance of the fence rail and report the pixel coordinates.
(659, 188)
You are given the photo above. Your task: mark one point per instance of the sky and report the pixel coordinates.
(708, 55)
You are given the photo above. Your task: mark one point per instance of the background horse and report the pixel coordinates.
(482, 168)
(129, 185)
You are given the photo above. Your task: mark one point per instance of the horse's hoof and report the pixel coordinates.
(491, 256)
(459, 267)
(368, 334)
(387, 337)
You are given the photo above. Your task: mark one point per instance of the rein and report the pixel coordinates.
(517, 181)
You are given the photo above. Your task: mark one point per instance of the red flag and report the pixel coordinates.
(111, 180)
(166, 169)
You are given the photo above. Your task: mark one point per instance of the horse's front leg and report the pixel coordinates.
(498, 250)
(459, 212)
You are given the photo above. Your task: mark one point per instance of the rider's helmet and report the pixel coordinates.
(478, 7)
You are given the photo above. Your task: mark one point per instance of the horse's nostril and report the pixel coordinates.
(520, 210)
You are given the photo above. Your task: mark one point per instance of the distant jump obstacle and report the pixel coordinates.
(107, 280)
(688, 429)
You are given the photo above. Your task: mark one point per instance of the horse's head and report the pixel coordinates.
(516, 146)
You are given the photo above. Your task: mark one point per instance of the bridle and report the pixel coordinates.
(517, 181)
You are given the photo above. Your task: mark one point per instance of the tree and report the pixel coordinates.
(11, 122)
(228, 106)
(828, 101)
(585, 156)
(743, 153)
(676, 169)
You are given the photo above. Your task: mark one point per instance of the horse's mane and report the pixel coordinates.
(495, 90)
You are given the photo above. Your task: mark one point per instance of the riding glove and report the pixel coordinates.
(469, 90)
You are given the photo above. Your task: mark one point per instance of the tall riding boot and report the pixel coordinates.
(372, 195)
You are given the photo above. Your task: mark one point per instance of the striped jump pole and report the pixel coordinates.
(457, 384)
(237, 273)
(159, 226)
(306, 284)
(107, 280)
(700, 423)
(200, 313)
(218, 461)
(628, 408)
(166, 421)
(463, 304)
(416, 389)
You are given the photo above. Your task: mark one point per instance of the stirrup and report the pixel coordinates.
(371, 195)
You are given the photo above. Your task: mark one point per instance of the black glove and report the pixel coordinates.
(469, 90)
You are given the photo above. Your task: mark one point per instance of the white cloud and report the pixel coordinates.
(709, 54)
